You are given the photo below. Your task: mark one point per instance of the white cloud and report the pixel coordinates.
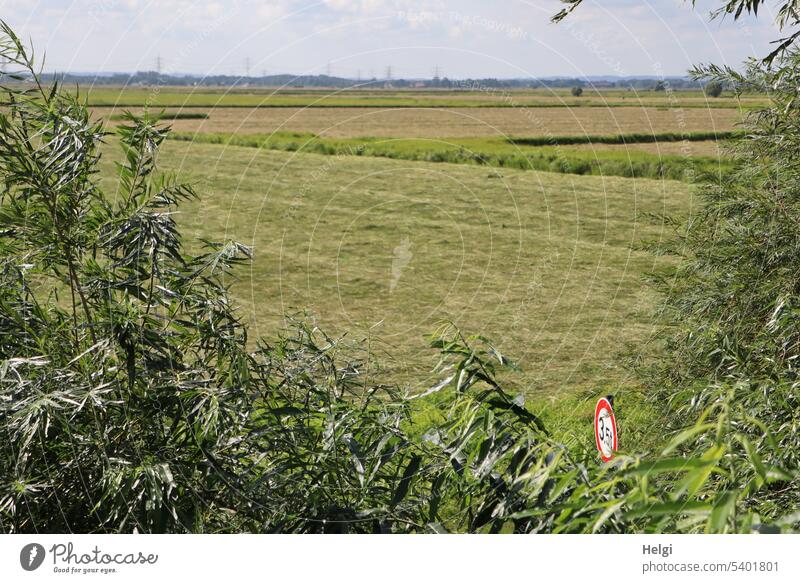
(303, 35)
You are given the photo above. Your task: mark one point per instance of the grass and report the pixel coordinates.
(448, 123)
(384, 249)
(569, 417)
(476, 97)
(492, 152)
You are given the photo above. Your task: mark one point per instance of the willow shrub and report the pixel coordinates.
(129, 400)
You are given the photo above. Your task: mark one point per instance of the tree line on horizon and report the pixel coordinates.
(154, 78)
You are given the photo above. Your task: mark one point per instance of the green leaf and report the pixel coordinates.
(724, 507)
(405, 482)
(673, 509)
(674, 464)
(685, 436)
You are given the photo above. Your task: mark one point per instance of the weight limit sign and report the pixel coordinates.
(605, 429)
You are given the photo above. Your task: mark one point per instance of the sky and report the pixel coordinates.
(363, 38)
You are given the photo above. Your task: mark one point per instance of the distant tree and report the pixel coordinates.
(577, 91)
(713, 89)
(660, 86)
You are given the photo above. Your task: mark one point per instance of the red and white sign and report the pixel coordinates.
(605, 429)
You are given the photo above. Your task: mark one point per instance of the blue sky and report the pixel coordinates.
(463, 38)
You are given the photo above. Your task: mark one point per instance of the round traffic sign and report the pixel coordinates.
(605, 429)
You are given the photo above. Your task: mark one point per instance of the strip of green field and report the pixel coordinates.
(157, 97)
(492, 152)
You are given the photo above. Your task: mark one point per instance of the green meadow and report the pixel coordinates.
(546, 264)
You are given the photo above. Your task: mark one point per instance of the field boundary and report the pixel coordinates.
(167, 116)
(632, 138)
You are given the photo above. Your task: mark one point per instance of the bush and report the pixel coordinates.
(577, 91)
(735, 295)
(713, 89)
(732, 302)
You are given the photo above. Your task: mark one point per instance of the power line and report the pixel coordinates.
(158, 64)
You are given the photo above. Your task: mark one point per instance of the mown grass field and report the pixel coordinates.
(384, 249)
(457, 122)
(380, 221)
(360, 219)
